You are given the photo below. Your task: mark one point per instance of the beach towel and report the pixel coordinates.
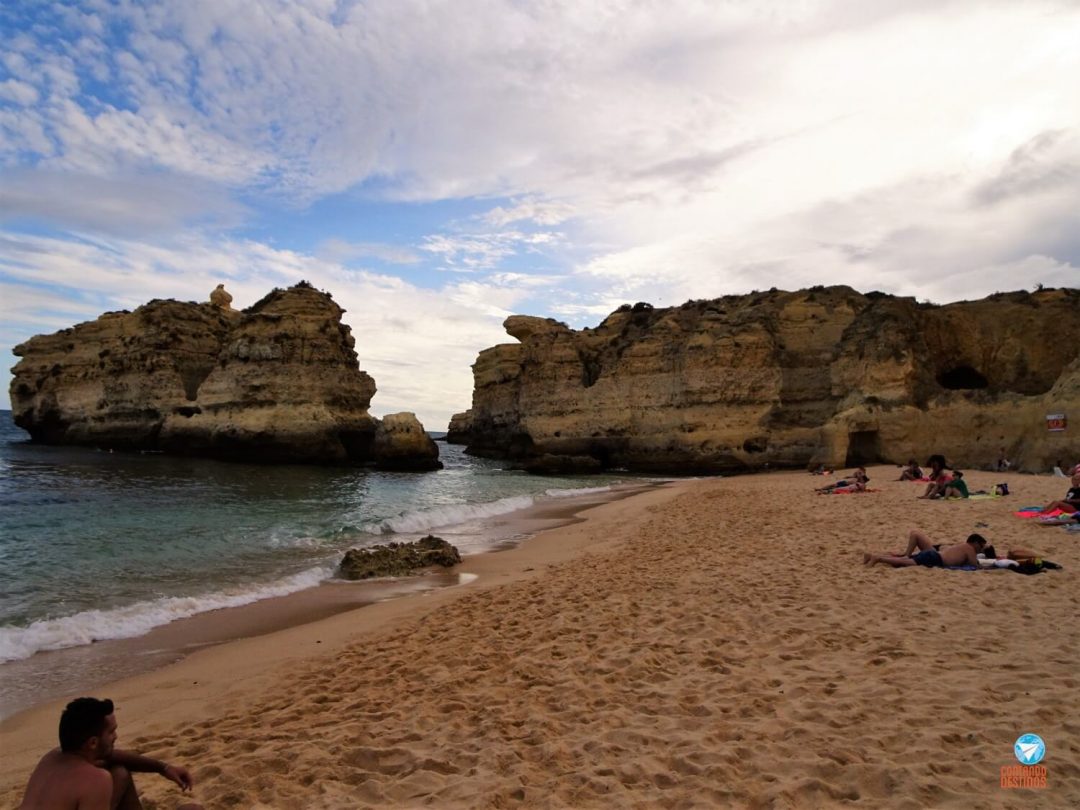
(961, 567)
(1061, 520)
(850, 491)
(1033, 511)
(1037, 512)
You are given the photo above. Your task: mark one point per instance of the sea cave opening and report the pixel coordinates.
(864, 447)
(962, 378)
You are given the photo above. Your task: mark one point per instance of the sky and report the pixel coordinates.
(439, 165)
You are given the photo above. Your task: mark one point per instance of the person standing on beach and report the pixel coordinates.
(87, 772)
(1003, 463)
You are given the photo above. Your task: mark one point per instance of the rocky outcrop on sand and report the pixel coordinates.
(397, 559)
(277, 382)
(825, 375)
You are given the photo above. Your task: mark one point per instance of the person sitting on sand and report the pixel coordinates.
(86, 772)
(1071, 502)
(857, 483)
(1003, 463)
(956, 488)
(937, 475)
(928, 555)
(912, 472)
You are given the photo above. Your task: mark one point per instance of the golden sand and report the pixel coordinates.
(715, 643)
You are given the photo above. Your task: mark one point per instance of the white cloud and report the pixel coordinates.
(120, 203)
(535, 211)
(684, 149)
(483, 251)
(18, 92)
(341, 250)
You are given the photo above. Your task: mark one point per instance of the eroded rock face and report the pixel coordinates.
(397, 559)
(786, 379)
(458, 430)
(402, 444)
(278, 382)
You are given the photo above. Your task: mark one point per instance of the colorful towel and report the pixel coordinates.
(1033, 511)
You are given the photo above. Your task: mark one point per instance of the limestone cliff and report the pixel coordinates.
(278, 382)
(786, 379)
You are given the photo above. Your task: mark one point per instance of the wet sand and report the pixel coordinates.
(715, 643)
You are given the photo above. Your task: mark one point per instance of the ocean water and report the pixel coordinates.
(97, 545)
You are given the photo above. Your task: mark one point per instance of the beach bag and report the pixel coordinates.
(1001, 489)
(1029, 567)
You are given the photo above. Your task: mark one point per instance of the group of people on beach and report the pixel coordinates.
(87, 771)
(943, 482)
(975, 551)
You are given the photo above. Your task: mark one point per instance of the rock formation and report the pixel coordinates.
(397, 559)
(278, 382)
(786, 379)
(220, 297)
(402, 444)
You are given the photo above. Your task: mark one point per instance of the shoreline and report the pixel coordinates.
(43, 677)
(692, 645)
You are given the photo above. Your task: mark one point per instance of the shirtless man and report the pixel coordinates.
(928, 556)
(86, 772)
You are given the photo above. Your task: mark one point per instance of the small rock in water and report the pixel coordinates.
(397, 559)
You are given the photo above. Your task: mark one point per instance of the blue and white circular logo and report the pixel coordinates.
(1029, 749)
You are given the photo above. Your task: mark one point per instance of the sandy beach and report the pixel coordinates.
(712, 643)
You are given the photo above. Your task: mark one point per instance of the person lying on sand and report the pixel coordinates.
(857, 483)
(86, 772)
(930, 556)
(1018, 554)
(1071, 501)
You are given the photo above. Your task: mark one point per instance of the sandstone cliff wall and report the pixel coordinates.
(786, 379)
(278, 382)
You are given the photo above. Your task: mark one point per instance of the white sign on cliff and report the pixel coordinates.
(1055, 421)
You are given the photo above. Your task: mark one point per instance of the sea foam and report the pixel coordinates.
(140, 617)
(453, 514)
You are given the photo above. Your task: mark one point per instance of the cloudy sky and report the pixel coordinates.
(440, 164)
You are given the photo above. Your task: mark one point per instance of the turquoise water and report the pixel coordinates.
(96, 545)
